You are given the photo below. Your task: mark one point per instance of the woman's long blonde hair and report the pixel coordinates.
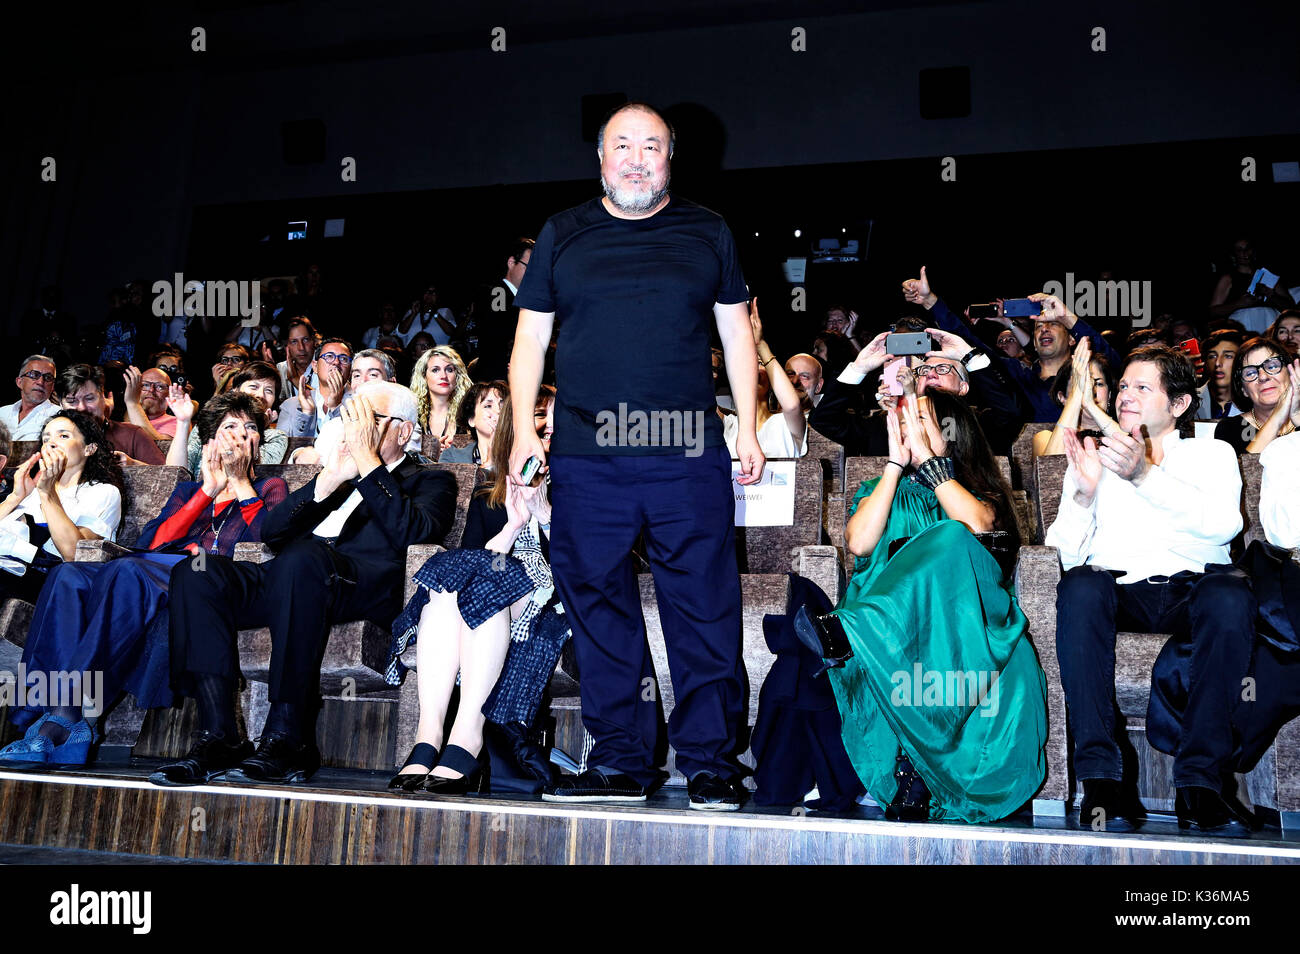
(420, 387)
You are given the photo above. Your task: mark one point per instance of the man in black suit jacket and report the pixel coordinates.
(496, 317)
(340, 545)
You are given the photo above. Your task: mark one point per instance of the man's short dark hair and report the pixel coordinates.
(642, 107)
(1216, 338)
(76, 376)
(329, 341)
(223, 405)
(518, 246)
(1177, 377)
(254, 371)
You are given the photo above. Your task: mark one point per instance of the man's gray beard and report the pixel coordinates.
(626, 200)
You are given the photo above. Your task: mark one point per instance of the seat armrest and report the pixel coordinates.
(416, 554)
(250, 552)
(98, 551)
(821, 564)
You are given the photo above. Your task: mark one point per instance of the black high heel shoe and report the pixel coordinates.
(912, 800)
(473, 774)
(422, 754)
(825, 636)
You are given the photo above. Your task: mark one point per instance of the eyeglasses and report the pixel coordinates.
(38, 376)
(230, 359)
(155, 386)
(170, 370)
(331, 357)
(1272, 365)
(922, 370)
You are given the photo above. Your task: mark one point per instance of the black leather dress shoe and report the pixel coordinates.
(277, 761)
(711, 792)
(210, 756)
(1207, 811)
(1108, 806)
(595, 786)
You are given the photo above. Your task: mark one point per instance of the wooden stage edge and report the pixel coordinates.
(124, 813)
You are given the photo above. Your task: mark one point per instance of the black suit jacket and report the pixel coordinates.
(496, 334)
(410, 505)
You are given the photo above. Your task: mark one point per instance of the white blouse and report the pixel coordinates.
(97, 507)
(774, 437)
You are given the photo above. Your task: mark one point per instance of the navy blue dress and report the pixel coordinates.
(112, 618)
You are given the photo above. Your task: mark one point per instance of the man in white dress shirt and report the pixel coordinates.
(1142, 518)
(26, 416)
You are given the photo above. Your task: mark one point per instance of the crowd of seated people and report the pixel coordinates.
(1148, 516)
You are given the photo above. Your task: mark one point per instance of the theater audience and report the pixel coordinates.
(35, 383)
(496, 317)
(1286, 330)
(835, 351)
(439, 383)
(258, 379)
(843, 320)
(321, 391)
(1085, 389)
(300, 345)
(230, 357)
(424, 315)
(111, 618)
(1055, 329)
(1145, 517)
(387, 325)
(978, 755)
(70, 490)
(480, 413)
(1220, 352)
(81, 388)
(368, 365)
(488, 611)
(340, 544)
(1257, 309)
(1259, 389)
(783, 431)
(805, 373)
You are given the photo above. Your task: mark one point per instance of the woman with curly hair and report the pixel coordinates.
(111, 618)
(70, 490)
(439, 383)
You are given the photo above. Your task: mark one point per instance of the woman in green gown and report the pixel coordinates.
(943, 702)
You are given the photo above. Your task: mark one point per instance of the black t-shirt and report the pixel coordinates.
(633, 302)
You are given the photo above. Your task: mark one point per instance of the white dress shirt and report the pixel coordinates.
(1182, 516)
(1279, 492)
(431, 325)
(332, 525)
(30, 428)
(774, 437)
(97, 507)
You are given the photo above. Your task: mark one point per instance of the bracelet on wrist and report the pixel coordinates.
(896, 464)
(935, 471)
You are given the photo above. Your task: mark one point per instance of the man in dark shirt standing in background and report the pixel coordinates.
(632, 281)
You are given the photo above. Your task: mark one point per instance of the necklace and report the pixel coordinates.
(217, 527)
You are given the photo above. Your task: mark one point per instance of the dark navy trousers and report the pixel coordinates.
(1196, 710)
(685, 507)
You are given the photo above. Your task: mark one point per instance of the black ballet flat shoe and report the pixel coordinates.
(912, 800)
(473, 774)
(825, 636)
(422, 754)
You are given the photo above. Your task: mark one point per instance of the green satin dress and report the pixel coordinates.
(942, 667)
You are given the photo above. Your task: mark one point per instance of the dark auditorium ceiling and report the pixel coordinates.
(153, 36)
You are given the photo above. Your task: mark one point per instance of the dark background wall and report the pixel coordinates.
(170, 159)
